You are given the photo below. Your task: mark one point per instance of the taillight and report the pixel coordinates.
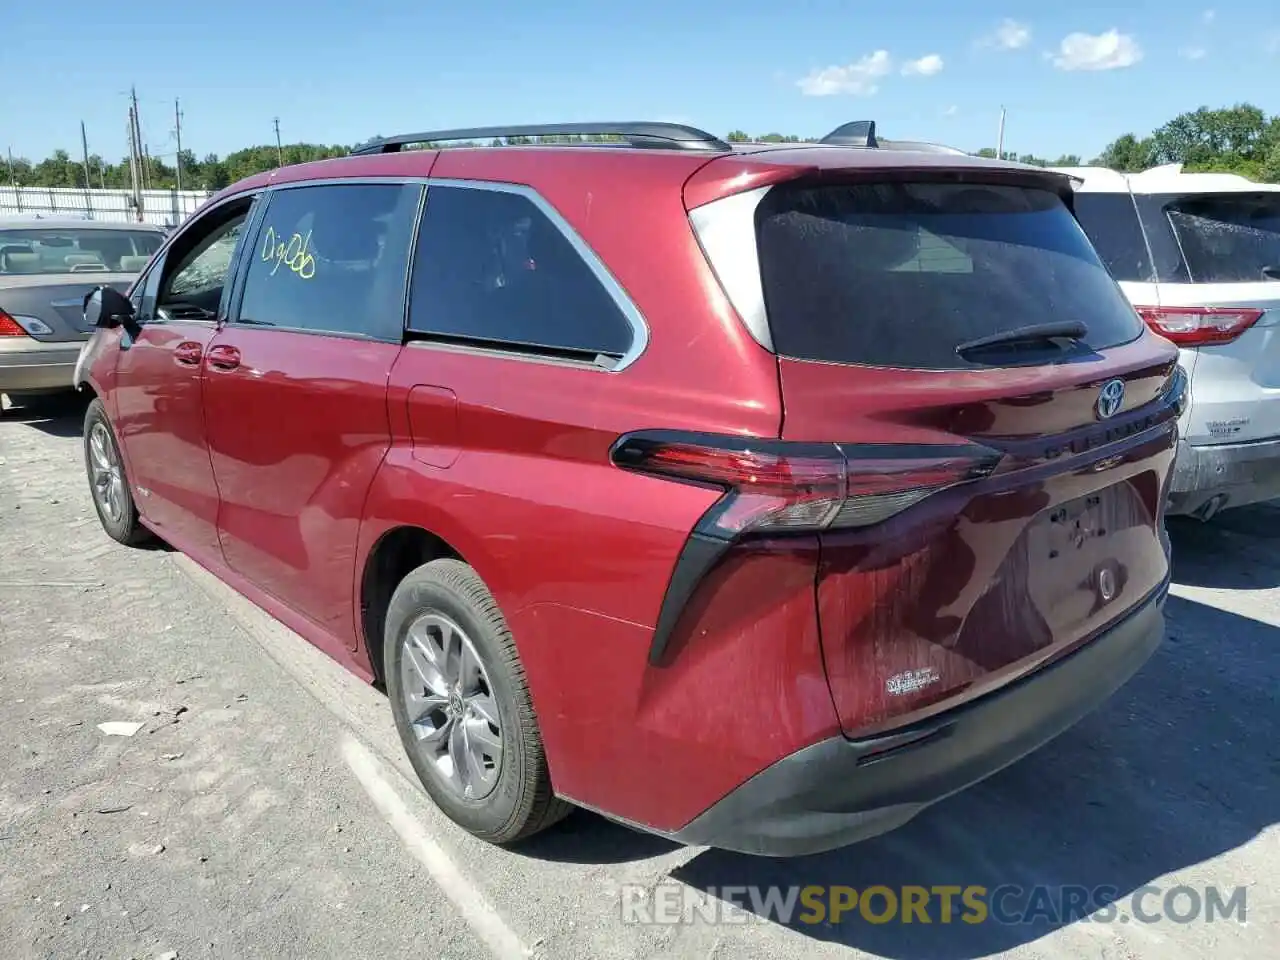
(1199, 326)
(778, 487)
(10, 327)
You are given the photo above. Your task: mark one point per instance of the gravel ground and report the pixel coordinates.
(263, 808)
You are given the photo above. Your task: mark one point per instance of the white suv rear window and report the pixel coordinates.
(1229, 238)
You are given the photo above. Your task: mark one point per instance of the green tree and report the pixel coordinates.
(1128, 154)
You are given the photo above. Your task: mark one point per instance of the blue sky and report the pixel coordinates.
(1073, 76)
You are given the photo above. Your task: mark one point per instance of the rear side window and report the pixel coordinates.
(899, 274)
(333, 259)
(492, 268)
(1111, 221)
(1230, 237)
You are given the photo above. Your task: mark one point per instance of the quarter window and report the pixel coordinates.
(333, 259)
(1111, 221)
(492, 268)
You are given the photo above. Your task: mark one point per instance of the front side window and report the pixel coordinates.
(901, 274)
(333, 259)
(198, 277)
(492, 268)
(71, 250)
(190, 279)
(1229, 238)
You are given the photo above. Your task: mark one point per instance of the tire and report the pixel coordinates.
(122, 525)
(518, 801)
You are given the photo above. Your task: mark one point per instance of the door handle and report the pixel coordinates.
(223, 357)
(188, 353)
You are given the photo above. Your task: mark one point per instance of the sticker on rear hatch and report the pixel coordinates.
(900, 684)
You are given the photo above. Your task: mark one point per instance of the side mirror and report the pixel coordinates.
(106, 307)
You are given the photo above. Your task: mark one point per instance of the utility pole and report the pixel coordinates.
(279, 152)
(13, 180)
(134, 163)
(1000, 137)
(177, 129)
(146, 166)
(84, 143)
(88, 184)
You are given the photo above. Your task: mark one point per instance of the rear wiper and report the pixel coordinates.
(1037, 332)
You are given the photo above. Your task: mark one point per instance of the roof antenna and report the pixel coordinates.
(856, 133)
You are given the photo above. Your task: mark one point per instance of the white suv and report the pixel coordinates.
(1198, 255)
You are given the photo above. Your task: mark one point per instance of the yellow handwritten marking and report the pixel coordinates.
(294, 254)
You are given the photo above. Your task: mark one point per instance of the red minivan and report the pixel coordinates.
(757, 496)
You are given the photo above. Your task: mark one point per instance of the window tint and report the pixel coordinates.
(1230, 237)
(492, 267)
(333, 259)
(899, 274)
(1111, 221)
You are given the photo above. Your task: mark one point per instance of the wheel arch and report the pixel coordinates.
(397, 552)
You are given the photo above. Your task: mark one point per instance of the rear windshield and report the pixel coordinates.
(899, 274)
(75, 251)
(1229, 238)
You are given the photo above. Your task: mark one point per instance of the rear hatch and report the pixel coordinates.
(1007, 425)
(1219, 299)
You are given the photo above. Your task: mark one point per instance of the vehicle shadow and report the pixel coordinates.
(1180, 766)
(59, 415)
(586, 837)
(1235, 550)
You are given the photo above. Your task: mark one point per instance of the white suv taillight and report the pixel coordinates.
(1199, 326)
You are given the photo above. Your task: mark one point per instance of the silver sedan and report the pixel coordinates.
(46, 268)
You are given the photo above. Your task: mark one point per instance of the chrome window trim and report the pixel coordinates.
(639, 325)
(726, 232)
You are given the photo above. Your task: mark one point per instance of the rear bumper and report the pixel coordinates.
(840, 791)
(1236, 474)
(39, 368)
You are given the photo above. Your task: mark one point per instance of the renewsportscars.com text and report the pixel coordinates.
(675, 903)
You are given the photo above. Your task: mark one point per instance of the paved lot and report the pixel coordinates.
(263, 809)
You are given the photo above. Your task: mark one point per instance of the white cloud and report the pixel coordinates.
(950, 111)
(1193, 53)
(1209, 16)
(926, 66)
(1009, 35)
(858, 78)
(1106, 51)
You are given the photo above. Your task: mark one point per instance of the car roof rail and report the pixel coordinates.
(635, 133)
(855, 133)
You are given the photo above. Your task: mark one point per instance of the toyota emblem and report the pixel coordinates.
(1110, 398)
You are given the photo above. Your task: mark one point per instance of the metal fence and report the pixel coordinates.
(163, 207)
